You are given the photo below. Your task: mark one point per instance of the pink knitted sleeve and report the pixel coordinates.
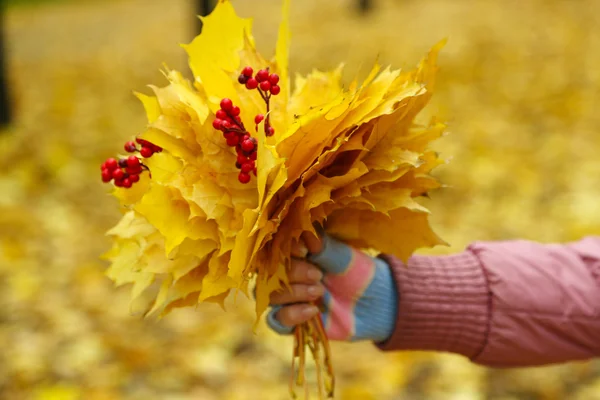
(502, 304)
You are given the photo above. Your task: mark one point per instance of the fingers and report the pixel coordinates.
(299, 249)
(295, 314)
(299, 293)
(304, 272)
(314, 244)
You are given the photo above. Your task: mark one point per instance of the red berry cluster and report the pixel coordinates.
(126, 171)
(267, 86)
(229, 122)
(147, 150)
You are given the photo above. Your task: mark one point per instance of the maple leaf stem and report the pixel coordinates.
(312, 334)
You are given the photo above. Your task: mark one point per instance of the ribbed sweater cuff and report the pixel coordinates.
(444, 304)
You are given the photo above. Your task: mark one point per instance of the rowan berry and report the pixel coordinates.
(226, 104)
(126, 183)
(242, 159)
(226, 125)
(130, 147)
(258, 119)
(248, 167)
(243, 177)
(248, 145)
(274, 79)
(133, 161)
(251, 84)
(233, 141)
(134, 170)
(247, 71)
(118, 174)
(146, 152)
(134, 178)
(265, 86)
(106, 175)
(275, 90)
(262, 75)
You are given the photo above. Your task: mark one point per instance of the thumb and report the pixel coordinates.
(335, 256)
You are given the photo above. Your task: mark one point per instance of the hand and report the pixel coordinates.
(359, 293)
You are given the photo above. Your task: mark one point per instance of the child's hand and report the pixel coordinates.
(359, 294)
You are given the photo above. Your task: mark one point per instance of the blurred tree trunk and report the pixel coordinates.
(203, 7)
(365, 5)
(4, 98)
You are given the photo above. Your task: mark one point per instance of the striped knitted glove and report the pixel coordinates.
(360, 300)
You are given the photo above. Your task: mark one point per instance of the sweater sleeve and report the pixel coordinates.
(502, 304)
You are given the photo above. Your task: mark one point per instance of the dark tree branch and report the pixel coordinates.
(203, 8)
(365, 5)
(5, 114)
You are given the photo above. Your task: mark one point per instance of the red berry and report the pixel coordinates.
(106, 175)
(274, 79)
(247, 71)
(134, 170)
(243, 177)
(233, 141)
(229, 135)
(226, 104)
(123, 162)
(226, 125)
(118, 174)
(133, 161)
(242, 79)
(134, 178)
(262, 75)
(275, 90)
(126, 183)
(130, 147)
(253, 156)
(238, 165)
(220, 114)
(248, 167)
(254, 171)
(146, 152)
(242, 159)
(247, 145)
(111, 164)
(269, 131)
(216, 123)
(155, 148)
(265, 86)
(258, 119)
(140, 141)
(235, 111)
(103, 166)
(251, 84)
(119, 182)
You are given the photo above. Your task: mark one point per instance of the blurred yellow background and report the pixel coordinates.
(519, 87)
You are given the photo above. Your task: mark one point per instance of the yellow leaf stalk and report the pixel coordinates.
(351, 160)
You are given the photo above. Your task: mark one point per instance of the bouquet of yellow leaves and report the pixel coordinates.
(234, 167)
